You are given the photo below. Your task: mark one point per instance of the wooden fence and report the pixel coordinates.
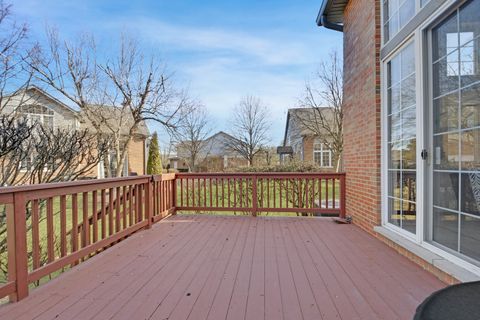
(51, 227)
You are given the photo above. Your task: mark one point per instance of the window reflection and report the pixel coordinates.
(456, 126)
(445, 228)
(470, 237)
(402, 136)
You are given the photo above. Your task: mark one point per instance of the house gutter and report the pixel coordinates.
(322, 19)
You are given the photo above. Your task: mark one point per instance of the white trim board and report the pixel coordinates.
(460, 272)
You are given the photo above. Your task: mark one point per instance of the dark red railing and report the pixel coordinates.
(301, 193)
(50, 227)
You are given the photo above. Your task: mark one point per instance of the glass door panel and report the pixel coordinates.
(455, 163)
(402, 130)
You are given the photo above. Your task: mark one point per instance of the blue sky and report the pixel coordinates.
(219, 50)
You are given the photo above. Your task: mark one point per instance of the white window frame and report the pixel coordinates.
(30, 116)
(418, 7)
(384, 130)
(423, 94)
(321, 151)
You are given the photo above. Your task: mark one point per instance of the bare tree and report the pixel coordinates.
(136, 89)
(191, 134)
(250, 127)
(325, 97)
(15, 51)
(15, 140)
(63, 154)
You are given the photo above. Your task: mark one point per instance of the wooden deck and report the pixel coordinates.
(211, 267)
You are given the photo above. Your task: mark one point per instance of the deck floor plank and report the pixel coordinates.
(81, 272)
(389, 290)
(269, 268)
(98, 293)
(159, 283)
(118, 289)
(202, 289)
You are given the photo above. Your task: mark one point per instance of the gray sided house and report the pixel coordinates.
(302, 142)
(214, 155)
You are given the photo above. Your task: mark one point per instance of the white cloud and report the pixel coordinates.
(271, 48)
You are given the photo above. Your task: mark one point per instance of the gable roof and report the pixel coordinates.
(113, 116)
(215, 145)
(303, 113)
(35, 90)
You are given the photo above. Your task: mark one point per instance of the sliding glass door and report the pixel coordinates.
(402, 142)
(454, 165)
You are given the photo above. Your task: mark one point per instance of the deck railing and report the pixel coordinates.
(301, 193)
(48, 228)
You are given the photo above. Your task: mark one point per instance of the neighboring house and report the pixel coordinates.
(300, 141)
(412, 126)
(214, 156)
(137, 155)
(40, 107)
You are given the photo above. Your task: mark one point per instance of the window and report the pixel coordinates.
(401, 124)
(396, 14)
(322, 155)
(36, 114)
(455, 207)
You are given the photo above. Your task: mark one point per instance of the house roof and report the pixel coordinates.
(113, 116)
(303, 113)
(49, 97)
(330, 14)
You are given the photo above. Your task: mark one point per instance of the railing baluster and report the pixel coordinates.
(35, 235)
(74, 230)
(234, 192)
(287, 192)
(117, 209)
(334, 181)
(50, 230)
(204, 193)
(94, 216)
(216, 193)
(320, 193)
(103, 213)
(199, 192)
(63, 225)
(223, 193)
(130, 205)
(228, 191)
(326, 193)
(85, 222)
(124, 207)
(110, 211)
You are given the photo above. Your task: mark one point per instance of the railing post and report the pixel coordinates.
(17, 246)
(343, 205)
(254, 196)
(149, 202)
(174, 194)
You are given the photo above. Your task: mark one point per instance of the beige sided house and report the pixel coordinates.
(39, 106)
(301, 143)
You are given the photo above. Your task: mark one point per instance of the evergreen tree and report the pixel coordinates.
(154, 164)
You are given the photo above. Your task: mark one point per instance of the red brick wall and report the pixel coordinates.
(362, 132)
(362, 111)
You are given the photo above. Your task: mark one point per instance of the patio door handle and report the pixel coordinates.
(424, 154)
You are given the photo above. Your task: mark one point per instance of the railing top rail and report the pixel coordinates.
(164, 177)
(262, 174)
(72, 184)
